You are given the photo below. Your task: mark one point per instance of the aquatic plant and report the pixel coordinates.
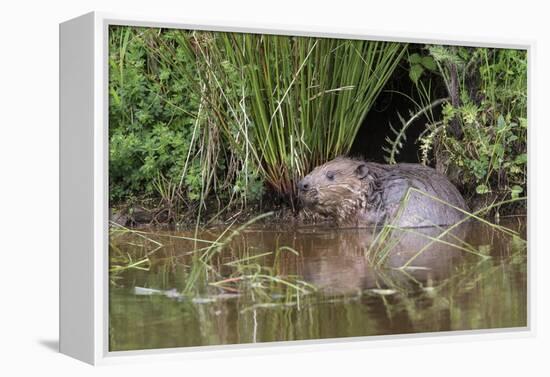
(244, 273)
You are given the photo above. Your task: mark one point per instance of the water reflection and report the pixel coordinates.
(361, 289)
(354, 260)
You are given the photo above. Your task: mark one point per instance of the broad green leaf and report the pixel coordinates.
(482, 189)
(415, 59)
(501, 123)
(521, 159)
(429, 63)
(415, 72)
(516, 190)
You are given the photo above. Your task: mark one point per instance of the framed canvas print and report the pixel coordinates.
(225, 186)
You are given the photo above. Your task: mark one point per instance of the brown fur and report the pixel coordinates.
(341, 197)
(357, 192)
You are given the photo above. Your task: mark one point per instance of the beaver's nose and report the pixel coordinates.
(303, 185)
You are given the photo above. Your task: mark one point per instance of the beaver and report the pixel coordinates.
(355, 192)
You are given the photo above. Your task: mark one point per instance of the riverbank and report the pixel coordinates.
(141, 215)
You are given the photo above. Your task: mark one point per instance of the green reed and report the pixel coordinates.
(281, 104)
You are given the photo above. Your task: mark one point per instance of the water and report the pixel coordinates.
(359, 291)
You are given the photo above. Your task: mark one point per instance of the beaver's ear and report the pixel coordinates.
(362, 171)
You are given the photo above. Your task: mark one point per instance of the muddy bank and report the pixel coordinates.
(142, 216)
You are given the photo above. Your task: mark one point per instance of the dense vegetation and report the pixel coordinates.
(223, 122)
(480, 138)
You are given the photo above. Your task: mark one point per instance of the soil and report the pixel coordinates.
(143, 214)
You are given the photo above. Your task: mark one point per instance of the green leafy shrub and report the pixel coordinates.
(492, 115)
(487, 158)
(480, 139)
(164, 145)
(149, 133)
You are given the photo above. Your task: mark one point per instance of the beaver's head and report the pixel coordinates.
(337, 189)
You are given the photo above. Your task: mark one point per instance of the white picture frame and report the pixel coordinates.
(84, 189)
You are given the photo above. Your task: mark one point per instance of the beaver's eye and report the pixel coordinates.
(330, 175)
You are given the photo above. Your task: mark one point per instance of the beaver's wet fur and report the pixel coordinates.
(354, 192)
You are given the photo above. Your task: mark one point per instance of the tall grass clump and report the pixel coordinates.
(282, 104)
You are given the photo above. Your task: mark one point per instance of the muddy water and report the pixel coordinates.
(282, 283)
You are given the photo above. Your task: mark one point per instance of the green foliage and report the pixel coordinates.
(287, 103)
(490, 108)
(395, 143)
(419, 64)
(479, 139)
(148, 133)
(489, 158)
(161, 145)
(197, 117)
